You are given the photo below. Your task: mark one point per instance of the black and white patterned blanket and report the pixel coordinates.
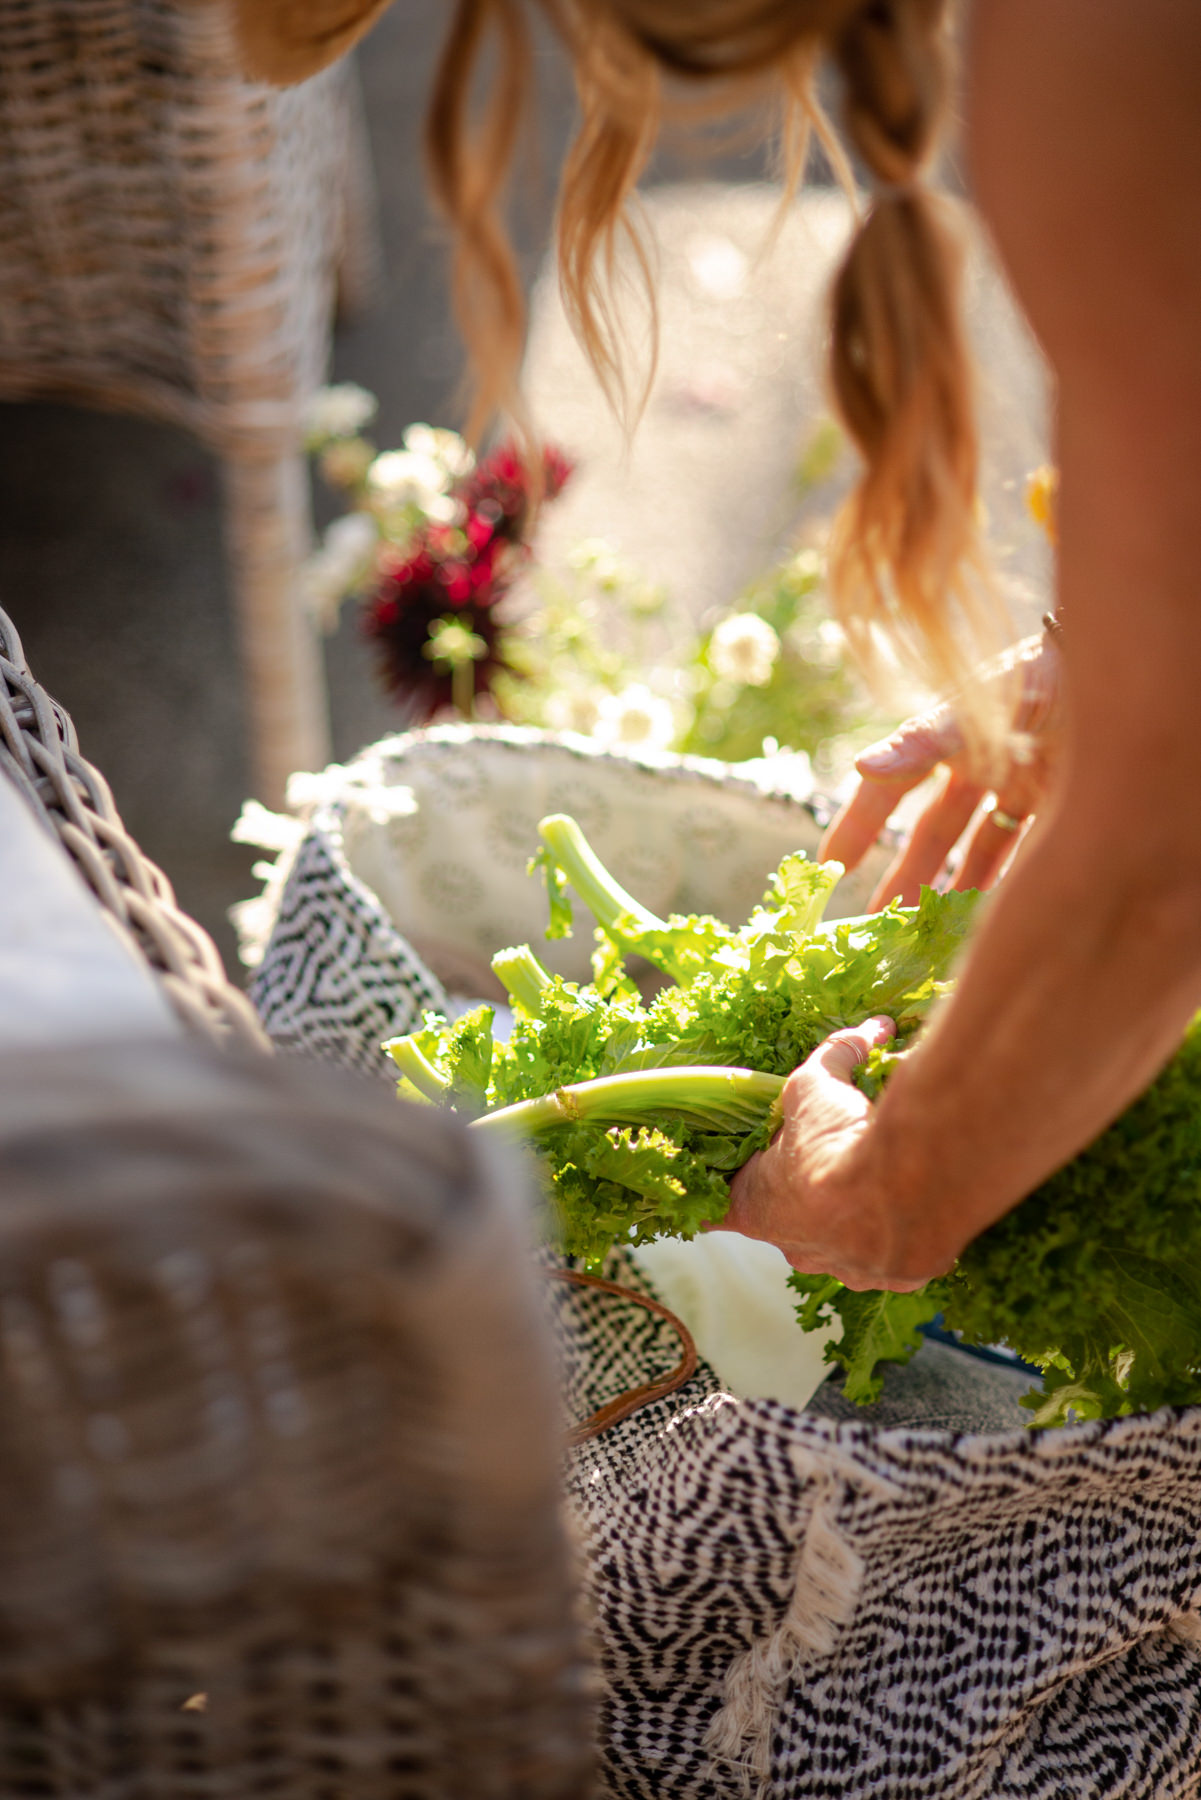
(338, 978)
(790, 1606)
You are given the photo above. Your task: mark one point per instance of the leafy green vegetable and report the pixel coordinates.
(1096, 1278)
(641, 1111)
(876, 1327)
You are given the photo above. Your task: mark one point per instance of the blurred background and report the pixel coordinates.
(111, 556)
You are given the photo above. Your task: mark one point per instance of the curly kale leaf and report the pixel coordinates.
(897, 962)
(628, 1184)
(579, 1033)
(468, 1059)
(1096, 1276)
(877, 1327)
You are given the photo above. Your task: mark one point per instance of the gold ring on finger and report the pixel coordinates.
(1004, 821)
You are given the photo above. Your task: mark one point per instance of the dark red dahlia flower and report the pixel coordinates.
(456, 572)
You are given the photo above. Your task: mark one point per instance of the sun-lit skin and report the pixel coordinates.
(1085, 147)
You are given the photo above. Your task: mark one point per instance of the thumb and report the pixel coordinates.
(843, 1051)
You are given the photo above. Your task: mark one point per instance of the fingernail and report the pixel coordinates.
(880, 759)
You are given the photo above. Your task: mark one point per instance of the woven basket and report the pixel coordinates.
(170, 239)
(280, 1446)
(39, 753)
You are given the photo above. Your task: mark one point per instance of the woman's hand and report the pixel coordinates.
(815, 1191)
(890, 769)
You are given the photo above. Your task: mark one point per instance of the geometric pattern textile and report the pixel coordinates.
(786, 1606)
(337, 978)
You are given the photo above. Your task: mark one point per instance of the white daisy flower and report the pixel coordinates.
(636, 719)
(743, 649)
(339, 411)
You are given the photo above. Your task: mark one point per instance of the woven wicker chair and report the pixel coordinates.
(278, 1427)
(40, 756)
(170, 239)
(279, 1505)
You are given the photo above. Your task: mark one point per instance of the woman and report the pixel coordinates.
(1084, 144)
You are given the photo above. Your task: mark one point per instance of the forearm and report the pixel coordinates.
(1078, 987)
(1087, 968)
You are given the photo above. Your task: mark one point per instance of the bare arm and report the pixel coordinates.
(1086, 150)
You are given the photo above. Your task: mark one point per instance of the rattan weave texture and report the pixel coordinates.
(171, 239)
(279, 1427)
(39, 752)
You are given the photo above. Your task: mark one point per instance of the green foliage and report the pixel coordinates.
(629, 1184)
(810, 696)
(876, 1327)
(1096, 1277)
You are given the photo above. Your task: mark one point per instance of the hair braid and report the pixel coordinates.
(906, 555)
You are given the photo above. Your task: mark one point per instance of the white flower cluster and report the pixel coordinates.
(340, 411)
(415, 480)
(422, 474)
(634, 719)
(744, 649)
(443, 447)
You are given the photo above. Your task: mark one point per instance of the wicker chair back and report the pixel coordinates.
(40, 754)
(279, 1433)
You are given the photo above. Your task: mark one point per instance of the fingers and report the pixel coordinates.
(757, 1203)
(855, 828)
(889, 770)
(930, 843)
(1039, 707)
(843, 1051)
(1000, 831)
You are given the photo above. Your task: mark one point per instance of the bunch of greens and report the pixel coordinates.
(641, 1111)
